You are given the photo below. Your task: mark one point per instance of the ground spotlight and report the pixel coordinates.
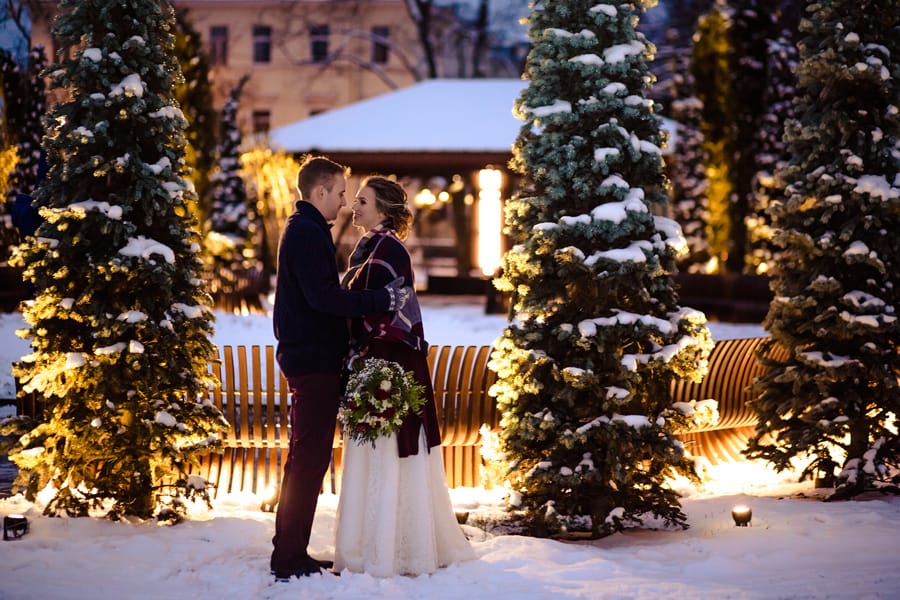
(14, 527)
(741, 515)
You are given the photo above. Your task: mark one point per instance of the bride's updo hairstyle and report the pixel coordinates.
(390, 199)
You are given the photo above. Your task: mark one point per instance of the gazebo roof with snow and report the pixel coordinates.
(432, 126)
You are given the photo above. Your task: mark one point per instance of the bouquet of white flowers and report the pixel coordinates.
(380, 394)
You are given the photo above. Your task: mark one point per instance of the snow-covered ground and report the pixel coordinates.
(796, 547)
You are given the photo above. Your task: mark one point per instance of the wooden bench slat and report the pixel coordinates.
(276, 413)
(466, 429)
(450, 402)
(228, 406)
(243, 416)
(441, 357)
(258, 411)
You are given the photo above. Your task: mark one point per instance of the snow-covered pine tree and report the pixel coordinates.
(232, 227)
(781, 88)
(585, 366)
(32, 101)
(753, 24)
(711, 68)
(690, 206)
(11, 117)
(836, 398)
(195, 97)
(120, 325)
(13, 101)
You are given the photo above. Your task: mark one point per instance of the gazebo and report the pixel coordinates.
(434, 126)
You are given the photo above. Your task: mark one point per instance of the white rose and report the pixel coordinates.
(385, 385)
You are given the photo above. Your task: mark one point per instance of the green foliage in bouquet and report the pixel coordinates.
(380, 394)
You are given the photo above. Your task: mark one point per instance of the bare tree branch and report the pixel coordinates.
(481, 39)
(420, 12)
(15, 8)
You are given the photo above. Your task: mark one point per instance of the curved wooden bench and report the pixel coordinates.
(461, 380)
(733, 367)
(254, 397)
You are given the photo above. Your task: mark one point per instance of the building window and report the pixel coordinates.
(380, 37)
(262, 44)
(218, 45)
(262, 120)
(318, 49)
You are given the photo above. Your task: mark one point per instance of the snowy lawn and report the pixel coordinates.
(796, 547)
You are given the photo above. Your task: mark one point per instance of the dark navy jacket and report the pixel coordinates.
(311, 309)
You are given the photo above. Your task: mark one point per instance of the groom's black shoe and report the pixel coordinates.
(328, 566)
(309, 566)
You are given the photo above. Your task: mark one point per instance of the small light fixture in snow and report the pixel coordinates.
(270, 498)
(14, 526)
(741, 515)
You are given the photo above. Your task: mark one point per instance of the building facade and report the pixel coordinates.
(303, 56)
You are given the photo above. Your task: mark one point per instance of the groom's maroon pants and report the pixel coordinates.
(314, 406)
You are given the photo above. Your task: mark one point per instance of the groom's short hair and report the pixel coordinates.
(318, 170)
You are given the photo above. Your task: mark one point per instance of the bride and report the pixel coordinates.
(394, 514)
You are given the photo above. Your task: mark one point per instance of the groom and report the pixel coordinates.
(310, 321)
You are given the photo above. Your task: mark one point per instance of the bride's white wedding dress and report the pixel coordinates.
(394, 514)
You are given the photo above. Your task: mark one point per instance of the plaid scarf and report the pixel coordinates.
(379, 258)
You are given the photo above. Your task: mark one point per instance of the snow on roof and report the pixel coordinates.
(436, 115)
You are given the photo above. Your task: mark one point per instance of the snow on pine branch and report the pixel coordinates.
(111, 211)
(144, 247)
(588, 327)
(608, 9)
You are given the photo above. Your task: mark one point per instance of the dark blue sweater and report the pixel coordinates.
(311, 309)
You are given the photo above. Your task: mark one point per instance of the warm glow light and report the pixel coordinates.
(744, 477)
(269, 498)
(490, 179)
(444, 196)
(425, 197)
(490, 220)
(457, 184)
